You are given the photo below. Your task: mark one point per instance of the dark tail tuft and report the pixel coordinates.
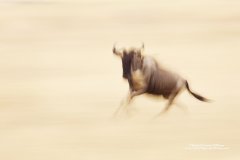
(196, 95)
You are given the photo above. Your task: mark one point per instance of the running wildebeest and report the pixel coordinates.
(145, 75)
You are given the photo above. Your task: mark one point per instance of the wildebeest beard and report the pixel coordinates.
(126, 64)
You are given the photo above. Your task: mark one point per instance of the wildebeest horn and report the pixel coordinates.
(142, 45)
(142, 48)
(114, 48)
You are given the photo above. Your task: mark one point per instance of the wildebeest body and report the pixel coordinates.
(163, 87)
(144, 75)
(158, 81)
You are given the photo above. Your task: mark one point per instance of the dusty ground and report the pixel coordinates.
(60, 82)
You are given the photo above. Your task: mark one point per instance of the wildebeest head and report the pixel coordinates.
(121, 52)
(131, 59)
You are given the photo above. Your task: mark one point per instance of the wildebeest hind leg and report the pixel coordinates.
(169, 104)
(181, 106)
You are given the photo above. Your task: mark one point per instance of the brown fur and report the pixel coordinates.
(146, 76)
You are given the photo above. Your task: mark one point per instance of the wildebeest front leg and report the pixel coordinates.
(138, 92)
(123, 103)
(132, 95)
(129, 98)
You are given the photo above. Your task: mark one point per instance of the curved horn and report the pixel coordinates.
(142, 45)
(142, 48)
(114, 48)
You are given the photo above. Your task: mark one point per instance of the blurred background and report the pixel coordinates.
(60, 82)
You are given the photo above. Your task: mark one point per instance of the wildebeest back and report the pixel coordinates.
(159, 80)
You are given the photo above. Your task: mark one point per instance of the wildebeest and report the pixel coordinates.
(145, 75)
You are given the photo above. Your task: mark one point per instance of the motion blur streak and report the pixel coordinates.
(60, 82)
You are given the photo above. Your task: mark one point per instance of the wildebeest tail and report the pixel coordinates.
(201, 98)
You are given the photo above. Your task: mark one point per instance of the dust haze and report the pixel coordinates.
(61, 83)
